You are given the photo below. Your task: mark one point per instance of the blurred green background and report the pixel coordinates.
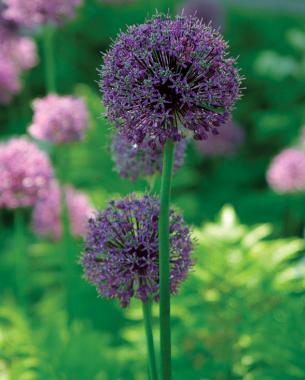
(241, 312)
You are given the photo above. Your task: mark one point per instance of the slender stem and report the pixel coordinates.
(49, 33)
(152, 364)
(164, 249)
(20, 259)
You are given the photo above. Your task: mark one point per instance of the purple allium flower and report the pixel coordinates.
(9, 80)
(59, 119)
(226, 143)
(121, 256)
(141, 160)
(25, 173)
(165, 77)
(32, 13)
(46, 218)
(286, 173)
(207, 10)
(21, 51)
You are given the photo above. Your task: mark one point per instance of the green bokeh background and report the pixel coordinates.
(240, 315)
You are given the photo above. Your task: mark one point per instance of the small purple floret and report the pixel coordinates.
(141, 160)
(121, 256)
(165, 77)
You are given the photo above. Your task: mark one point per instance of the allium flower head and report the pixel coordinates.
(20, 51)
(25, 173)
(59, 119)
(46, 218)
(207, 10)
(36, 12)
(141, 160)
(167, 76)
(121, 256)
(226, 143)
(9, 80)
(286, 173)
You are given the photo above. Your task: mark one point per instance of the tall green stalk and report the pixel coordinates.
(49, 33)
(164, 250)
(20, 257)
(152, 364)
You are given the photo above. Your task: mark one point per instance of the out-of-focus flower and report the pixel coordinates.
(26, 173)
(46, 218)
(167, 76)
(21, 51)
(141, 160)
(226, 143)
(9, 80)
(121, 255)
(32, 13)
(286, 173)
(207, 10)
(59, 119)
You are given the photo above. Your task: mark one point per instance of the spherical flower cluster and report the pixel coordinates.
(25, 173)
(226, 143)
(286, 173)
(167, 76)
(207, 10)
(141, 160)
(36, 12)
(121, 256)
(46, 218)
(59, 119)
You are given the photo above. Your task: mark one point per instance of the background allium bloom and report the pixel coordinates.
(207, 10)
(166, 73)
(36, 12)
(46, 218)
(25, 173)
(59, 119)
(9, 80)
(141, 160)
(230, 138)
(121, 255)
(286, 173)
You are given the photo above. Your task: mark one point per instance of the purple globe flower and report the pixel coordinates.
(46, 217)
(226, 143)
(21, 51)
(166, 77)
(25, 173)
(141, 160)
(286, 173)
(32, 13)
(121, 256)
(207, 10)
(59, 119)
(9, 80)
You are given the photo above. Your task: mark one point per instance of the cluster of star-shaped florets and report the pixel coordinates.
(121, 256)
(167, 76)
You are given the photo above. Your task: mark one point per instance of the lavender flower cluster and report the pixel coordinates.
(17, 53)
(46, 217)
(141, 160)
(59, 119)
(37, 12)
(121, 256)
(167, 76)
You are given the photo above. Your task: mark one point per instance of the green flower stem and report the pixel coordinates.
(20, 258)
(164, 248)
(152, 365)
(49, 33)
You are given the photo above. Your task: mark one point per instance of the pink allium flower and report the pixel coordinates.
(9, 80)
(230, 138)
(59, 119)
(46, 220)
(21, 51)
(36, 12)
(25, 173)
(286, 173)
